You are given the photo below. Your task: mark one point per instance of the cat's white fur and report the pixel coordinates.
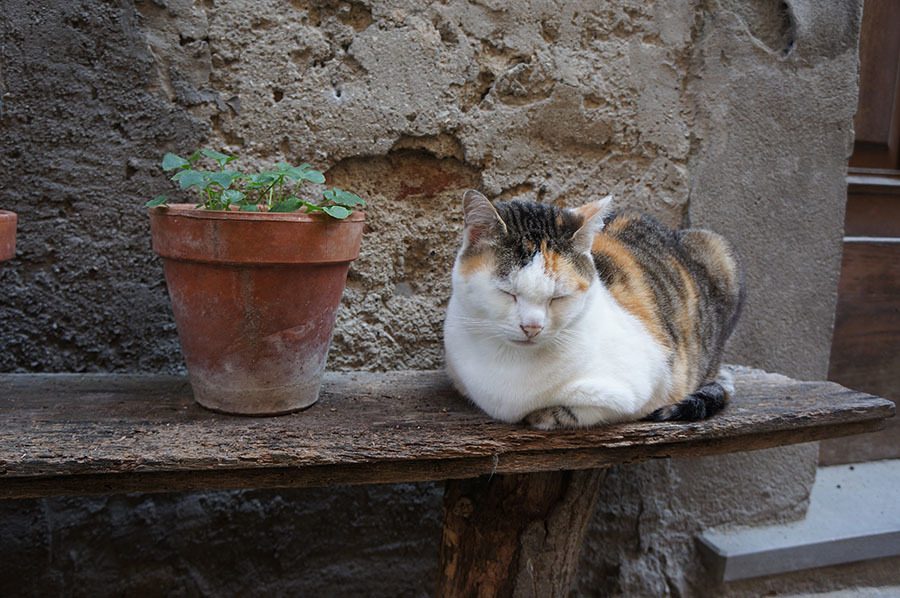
(590, 355)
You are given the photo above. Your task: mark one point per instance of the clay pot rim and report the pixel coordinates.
(189, 210)
(7, 215)
(181, 232)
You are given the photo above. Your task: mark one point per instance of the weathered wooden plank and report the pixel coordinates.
(876, 120)
(424, 470)
(69, 434)
(865, 352)
(873, 214)
(516, 535)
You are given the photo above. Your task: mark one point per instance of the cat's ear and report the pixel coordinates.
(481, 218)
(592, 216)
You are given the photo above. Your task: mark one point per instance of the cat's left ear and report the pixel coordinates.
(481, 218)
(592, 216)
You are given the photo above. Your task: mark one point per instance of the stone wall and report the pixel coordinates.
(772, 94)
(724, 113)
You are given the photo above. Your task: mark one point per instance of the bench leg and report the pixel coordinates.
(516, 534)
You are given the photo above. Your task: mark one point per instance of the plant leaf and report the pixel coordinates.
(310, 174)
(219, 157)
(172, 161)
(192, 178)
(157, 201)
(293, 173)
(343, 198)
(337, 211)
(222, 178)
(249, 207)
(232, 196)
(291, 204)
(264, 178)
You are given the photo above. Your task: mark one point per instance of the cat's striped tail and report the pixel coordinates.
(704, 402)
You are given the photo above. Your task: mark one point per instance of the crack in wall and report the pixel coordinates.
(770, 23)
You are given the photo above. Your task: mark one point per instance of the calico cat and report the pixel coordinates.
(570, 318)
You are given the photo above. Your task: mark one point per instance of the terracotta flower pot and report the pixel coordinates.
(254, 296)
(7, 236)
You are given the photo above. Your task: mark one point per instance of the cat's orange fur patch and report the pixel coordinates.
(631, 290)
(622, 221)
(479, 262)
(716, 254)
(684, 369)
(587, 211)
(558, 267)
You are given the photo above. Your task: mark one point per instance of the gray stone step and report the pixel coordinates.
(854, 515)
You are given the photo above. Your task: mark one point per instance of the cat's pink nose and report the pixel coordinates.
(531, 330)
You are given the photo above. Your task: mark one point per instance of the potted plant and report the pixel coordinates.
(7, 236)
(255, 273)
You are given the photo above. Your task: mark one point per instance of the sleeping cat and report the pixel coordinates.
(575, 317)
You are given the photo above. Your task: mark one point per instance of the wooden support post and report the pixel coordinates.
(516, 534)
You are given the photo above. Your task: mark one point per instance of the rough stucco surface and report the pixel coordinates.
(773, 110)
(775, 132)
(405, 104)
(358, 541)
(730, 114)
(79, 141)
(642, 539)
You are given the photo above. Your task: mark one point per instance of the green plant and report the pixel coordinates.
(267, 191)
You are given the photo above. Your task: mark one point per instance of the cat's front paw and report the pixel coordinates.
(552, 418)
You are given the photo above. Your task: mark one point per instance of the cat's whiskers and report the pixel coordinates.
(490, 329)
(563, 339)
(485, 327)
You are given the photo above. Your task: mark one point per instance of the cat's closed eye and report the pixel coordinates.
(508, 294)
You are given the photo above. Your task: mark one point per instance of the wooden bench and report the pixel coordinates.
(516, 529)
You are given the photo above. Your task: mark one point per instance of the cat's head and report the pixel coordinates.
(524, 271)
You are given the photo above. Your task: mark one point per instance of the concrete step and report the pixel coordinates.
(854, 515)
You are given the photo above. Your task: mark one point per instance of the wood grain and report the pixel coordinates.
(516, 535)
(96, 434)
(865, 351)
(877, 121)
(873, 214)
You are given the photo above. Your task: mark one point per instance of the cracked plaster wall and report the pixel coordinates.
(729, 113)
(410, 103)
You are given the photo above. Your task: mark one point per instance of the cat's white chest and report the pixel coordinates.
(506, 383)
(607, 359)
